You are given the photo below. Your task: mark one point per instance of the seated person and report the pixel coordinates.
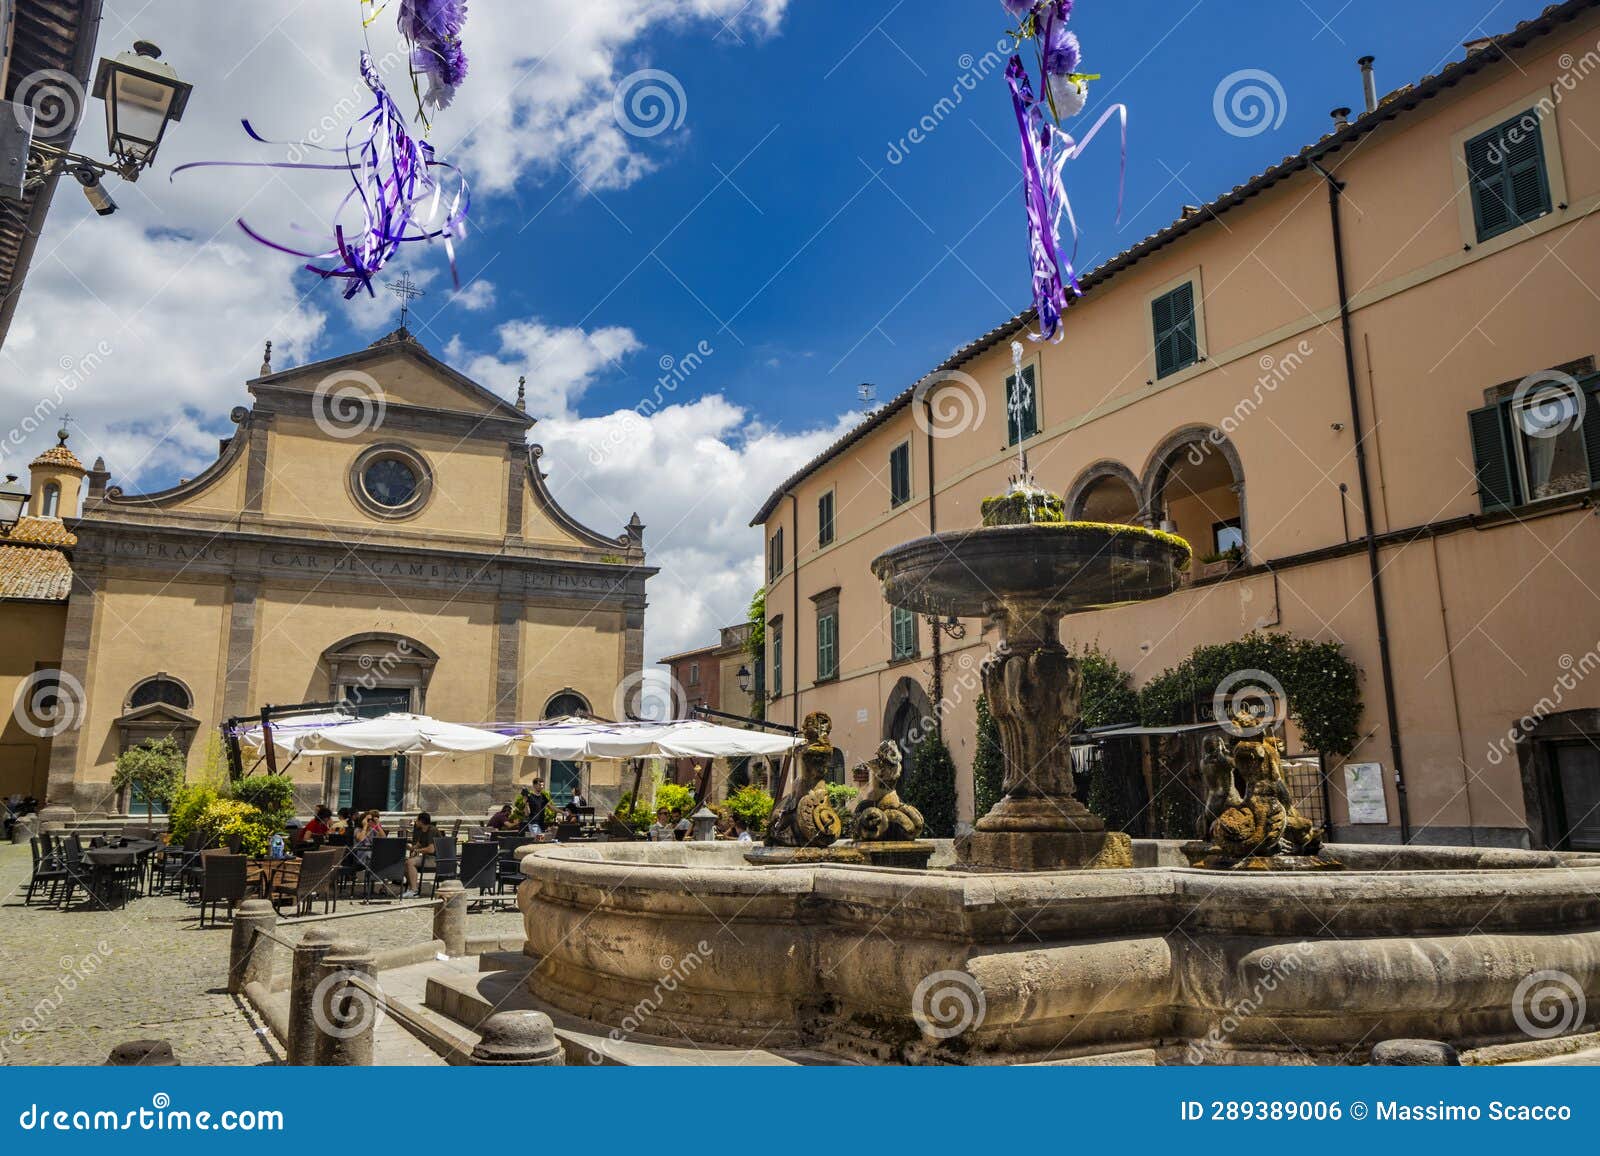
(500, 818)
(682, 828)
(742, 830)
(341, 823)
(423, 833)
(661, 829)
(318, 827)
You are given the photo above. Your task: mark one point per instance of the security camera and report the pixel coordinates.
(99, 200)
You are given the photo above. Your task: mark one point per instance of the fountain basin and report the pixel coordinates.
(1066, 566)
(1166, 963)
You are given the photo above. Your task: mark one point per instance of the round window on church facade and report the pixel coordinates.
(390, 481)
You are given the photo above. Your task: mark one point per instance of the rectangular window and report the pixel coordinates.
(694, 674)
(1172, 322)
(1030, 407)
(902, 634)
(825, 519)
(900, 474)
(1505, 169)
(1227, 535)
(1537, 447)
(775, 647)
(775, 556)
(827, 646)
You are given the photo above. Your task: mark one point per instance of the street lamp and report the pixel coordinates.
(142, 94)
(11, 503)
(744, 677)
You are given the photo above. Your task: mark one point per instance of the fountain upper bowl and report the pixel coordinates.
(1061, 566)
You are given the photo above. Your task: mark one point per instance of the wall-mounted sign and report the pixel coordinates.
(1363, 792)
(861, 714)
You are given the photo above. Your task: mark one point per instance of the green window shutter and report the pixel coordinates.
(1507, 175)
(825, 519)
(1173, 326)
(1590, 419)
(1493, 458)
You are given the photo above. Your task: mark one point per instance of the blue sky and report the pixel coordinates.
(788, 224)
(777, 228)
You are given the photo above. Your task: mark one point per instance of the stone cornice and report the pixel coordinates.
(296, 401)
(171, 551)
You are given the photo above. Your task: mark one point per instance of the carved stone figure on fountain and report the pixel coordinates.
(804, 818)
(881, 815)
(1262, 830)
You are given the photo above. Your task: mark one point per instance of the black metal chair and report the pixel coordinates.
(386, 864)
(170, 865)
(78, 873)
(46, 871)
(446, 862)
(508, 872)
(479, 866)
(224, 882)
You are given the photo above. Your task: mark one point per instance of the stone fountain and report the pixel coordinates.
(1026, 567)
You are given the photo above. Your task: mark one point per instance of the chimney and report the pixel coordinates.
(1369, 82)
(1341, 118)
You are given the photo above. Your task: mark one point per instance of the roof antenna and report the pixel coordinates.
(868, 393)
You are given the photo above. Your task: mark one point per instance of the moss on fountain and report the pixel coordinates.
(1028, 506)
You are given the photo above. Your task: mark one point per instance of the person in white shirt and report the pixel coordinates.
(661, 829)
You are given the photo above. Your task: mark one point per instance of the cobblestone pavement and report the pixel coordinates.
(78, 982)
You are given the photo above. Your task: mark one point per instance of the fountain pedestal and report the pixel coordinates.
(1027, 577)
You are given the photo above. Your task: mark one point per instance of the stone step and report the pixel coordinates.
(506, 961)
(468, 999)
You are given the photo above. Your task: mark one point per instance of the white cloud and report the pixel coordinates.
(560, 362)
(695, 473)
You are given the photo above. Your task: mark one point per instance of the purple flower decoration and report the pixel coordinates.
(433, 28)
(1058, 46)
(1019, 9)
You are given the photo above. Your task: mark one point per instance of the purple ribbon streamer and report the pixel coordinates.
(1045, 151)
(394, 177)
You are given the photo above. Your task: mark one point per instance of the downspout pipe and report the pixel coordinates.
(1374, 567)
(794, 621)
(934, 632)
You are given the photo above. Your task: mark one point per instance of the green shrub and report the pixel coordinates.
(931, 787)
(1107, 696)
(154, 768)
(225, 817)
(753, 805)
(272, 795)
(188, 803)
(675, 798)
(988, 763)
(840, 798)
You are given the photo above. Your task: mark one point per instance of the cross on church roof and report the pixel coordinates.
(407, 291)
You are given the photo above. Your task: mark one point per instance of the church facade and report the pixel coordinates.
(377, 530)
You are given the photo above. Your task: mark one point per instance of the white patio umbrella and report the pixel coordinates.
(577, 739)
(390, 734)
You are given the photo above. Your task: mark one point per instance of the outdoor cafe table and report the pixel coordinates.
(105, 860)
(265, 873)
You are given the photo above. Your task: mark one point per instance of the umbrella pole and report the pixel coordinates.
(705, 784)
(266, 740)
(638, 779)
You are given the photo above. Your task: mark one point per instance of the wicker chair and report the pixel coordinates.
(386, 864)
(223, 881)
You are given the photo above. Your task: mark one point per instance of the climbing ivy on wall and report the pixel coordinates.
(988, 762)
(1107, 697)
(1321, 684)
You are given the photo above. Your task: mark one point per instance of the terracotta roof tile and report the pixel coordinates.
(34, 573)
(41, 532)
(58, 456)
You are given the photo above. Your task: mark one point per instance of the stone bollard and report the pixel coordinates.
(343, 1015)
(1415, 1054)
(250, 954)
(142, 1054)
(301, 1047)
(450, 917)
(24, 828)
(518, 1039)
